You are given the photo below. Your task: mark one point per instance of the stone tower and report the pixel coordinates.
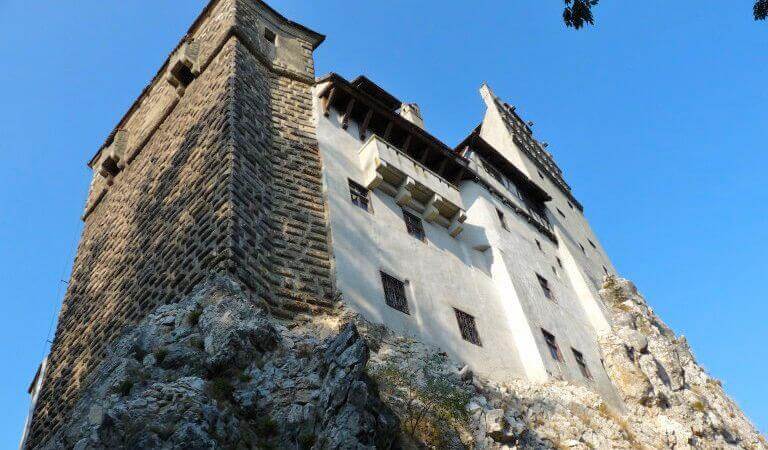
(214, 169)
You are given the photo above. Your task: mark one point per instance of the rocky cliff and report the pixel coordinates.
(213, 371)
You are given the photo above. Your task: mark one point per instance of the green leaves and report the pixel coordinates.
(761, 10)
(579, 13)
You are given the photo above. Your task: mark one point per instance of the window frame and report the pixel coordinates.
(354, 196)
(546, 288)
(581, 362)
(551, 342)
(398, 304)
(414, 225)
(468, 327)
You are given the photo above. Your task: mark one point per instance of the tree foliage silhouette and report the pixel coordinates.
(578, 13)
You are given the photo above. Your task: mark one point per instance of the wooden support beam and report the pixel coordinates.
(347, 113)
(424, 157)
(441, 169)
(366, 122)
(388, 131)
(460, 175)
(327, 101)
(407, 144)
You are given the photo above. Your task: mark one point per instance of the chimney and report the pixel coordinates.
(411, 112)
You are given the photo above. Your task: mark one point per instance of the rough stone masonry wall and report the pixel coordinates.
(228, 182)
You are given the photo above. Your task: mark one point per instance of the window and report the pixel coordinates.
(183, 74)
(270, 36)
(592, 244)
(560, 263)
(538, 244)
(583, 250)
(582, 364)
(554, 350)
(605, 269)
(554, 270)
(501, 219)
(467, 327)
(360, 196)
(570, 205)
(560, 212)
(494, 172)
(414, 225)
(540, 175)
(545, 287)
(394, 293)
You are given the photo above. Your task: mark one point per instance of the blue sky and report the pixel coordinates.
(657, 117)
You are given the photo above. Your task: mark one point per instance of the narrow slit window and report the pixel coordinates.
(270, 36)
(605, 269)
(468, 327)
(592, 244)
(559, 263)
(394, 293)
(583, 250)
(582, 364)
(538, 244)
(554, 270)
(501, 219)
(560, 212)
(414, 225)
(570, 205)
(360, 196)
(545, 287)
(554, 350)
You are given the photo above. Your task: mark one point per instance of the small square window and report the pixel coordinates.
(545, 287)
(394, 293)
(468, 328)
(360, 196)
(501, 219)
(270, 36)
(554, 350)
(582, 364)
(414, 225)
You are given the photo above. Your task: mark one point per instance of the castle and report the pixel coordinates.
(307, 191)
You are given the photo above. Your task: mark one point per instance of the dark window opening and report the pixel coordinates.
(545, 287)
(540, 175)
(582, 364)
(109, 166)
(394, 293)
(583, 250)
(592, 244)
(538, 244)
(605, 269)
(570, 205)
(270, 36)
(468, 328)
(360, 196)
(184, 74)
(560, 263)
(414, 225)
(561, 213)
(554, 350)
(554, 270)
(501, 219)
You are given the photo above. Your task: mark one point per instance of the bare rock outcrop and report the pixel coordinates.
(214, 371)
